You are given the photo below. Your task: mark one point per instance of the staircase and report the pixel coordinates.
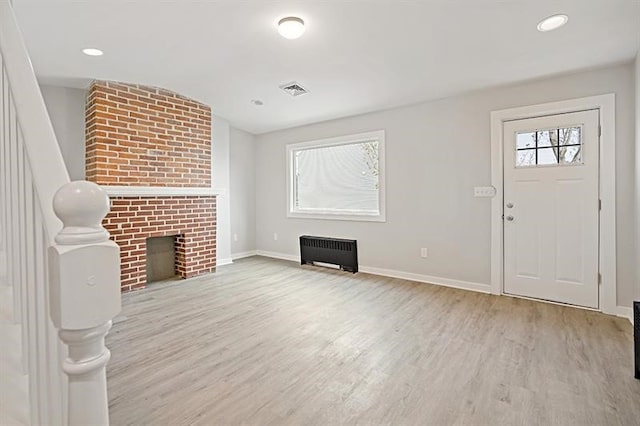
(59, 272)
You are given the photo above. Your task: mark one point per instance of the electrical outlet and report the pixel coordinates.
(423, 252)
(275, 236)
(235, 237)
(484, 191)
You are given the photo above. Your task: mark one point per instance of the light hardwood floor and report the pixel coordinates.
(265, 341)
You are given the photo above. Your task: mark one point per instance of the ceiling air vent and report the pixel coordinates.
(294, 89)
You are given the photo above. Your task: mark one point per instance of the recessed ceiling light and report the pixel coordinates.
(291, 27)
(92, 52)
(552, 22)
(257, 102)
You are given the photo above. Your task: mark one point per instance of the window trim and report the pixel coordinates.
(379, 136)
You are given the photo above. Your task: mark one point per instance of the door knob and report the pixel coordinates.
(509, 218)
(509, 205)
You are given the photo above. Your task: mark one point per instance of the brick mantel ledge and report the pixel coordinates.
(159, 191)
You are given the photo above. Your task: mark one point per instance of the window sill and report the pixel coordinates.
(331, 216)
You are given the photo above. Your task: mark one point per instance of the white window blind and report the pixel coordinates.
(339, 178)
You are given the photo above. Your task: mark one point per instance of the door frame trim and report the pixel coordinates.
(607, 187)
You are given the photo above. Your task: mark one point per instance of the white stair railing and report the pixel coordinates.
(65, 279)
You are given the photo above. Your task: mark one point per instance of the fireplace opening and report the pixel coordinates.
(161, 259)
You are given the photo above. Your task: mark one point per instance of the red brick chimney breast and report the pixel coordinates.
(138, 136)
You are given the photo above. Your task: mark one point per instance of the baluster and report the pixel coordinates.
(3, 185)
(9, 192)
(84, 274)
(30, 323)
(21, 302)
(30, 291)
(30, 279)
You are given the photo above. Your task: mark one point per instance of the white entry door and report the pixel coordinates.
(551, 208)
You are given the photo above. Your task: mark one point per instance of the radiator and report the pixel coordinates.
(336, 251)
(636, 336)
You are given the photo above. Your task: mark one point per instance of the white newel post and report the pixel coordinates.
(84, 268)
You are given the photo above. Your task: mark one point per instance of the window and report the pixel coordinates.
(340, 178)
(549, 147)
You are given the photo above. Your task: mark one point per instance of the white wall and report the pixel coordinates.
(436, 153)
(220, 180)
(66, 109)
(242, 192)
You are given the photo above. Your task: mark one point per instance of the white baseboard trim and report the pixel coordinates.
(243, 254)
(625, 312)
(428, 279)
(276, 255)
(445, 282)
(225, 261)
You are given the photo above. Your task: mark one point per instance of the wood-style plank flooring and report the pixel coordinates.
(269, 342)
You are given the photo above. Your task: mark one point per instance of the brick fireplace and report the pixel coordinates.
(150, 149)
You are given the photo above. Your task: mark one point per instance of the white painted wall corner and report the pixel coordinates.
(225, 261)
(242, 255)
(625, 312)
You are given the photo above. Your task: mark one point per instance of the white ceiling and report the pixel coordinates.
(355, 56)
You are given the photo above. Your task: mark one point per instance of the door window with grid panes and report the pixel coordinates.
(548, 147)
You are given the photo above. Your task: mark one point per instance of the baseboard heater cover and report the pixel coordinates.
(636, 336)
(336, 251)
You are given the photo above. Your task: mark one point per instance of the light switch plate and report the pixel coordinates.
(484, 191)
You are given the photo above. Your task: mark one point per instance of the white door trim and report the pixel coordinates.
(606, 105)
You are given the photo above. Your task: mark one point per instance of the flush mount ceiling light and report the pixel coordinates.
(92, 52)
(291, 27)
(552, 22)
